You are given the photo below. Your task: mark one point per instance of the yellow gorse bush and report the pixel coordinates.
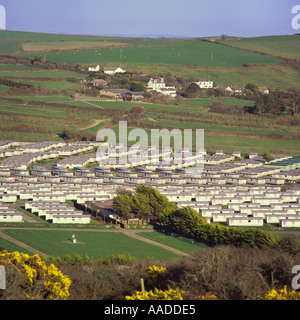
(282, 294)
(154, 271)
(51, 283)
(157, 294)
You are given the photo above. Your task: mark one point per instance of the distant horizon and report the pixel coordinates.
(158, 18)
(151, 36)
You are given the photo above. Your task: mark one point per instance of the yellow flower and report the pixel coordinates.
(282, 294)
(35, 271)
(170, 294)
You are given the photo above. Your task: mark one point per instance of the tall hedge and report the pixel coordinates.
(188, 222)
(149, 204)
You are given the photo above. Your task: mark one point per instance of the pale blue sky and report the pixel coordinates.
(193, 18)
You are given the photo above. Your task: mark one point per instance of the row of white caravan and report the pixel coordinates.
(28, 154)
(244, 193)
(250, 204)
(57, 212)
(252, 208)
(9, 213)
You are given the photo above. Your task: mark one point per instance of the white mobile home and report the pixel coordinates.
(72, 219)
(11, 216)
(247, 221)
(289, 223)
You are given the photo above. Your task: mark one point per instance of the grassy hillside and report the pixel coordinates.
(9, 46)
(283, 46)
(42, 46)
(189, 59)
(187, 53)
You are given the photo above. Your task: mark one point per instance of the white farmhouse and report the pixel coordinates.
(156, 84)
(204, 84)
(94, 68)
(234, 90)
(113, 71)
(263, 90)
(160, 86)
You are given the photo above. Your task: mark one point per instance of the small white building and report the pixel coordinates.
(204, 84)
(160, 86)
(11, 216)
(263, 90)
(289, 223)
(247, 221)
(234, 90)
(70, 218)
(93, 68)
(113, 71)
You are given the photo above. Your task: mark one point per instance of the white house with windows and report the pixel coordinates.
(94, 68)
(263, 90)
(204, 84)
(234, 90)
(160, 86)
(113, 71)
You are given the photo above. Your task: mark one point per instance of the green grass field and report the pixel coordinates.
(186, 58)
(187, 53)
(179, 243)
(39, 74)
(94, 244)
(227, 132)
(10, 246)
(283, 46)
(9, 46)
(42, 46)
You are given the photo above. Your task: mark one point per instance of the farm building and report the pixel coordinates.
(263, 90)
(234, 90)
(93, 68)
(204, 84)
(160, 86)
(133, 96)
(113, 71)
(98, 83)
(114, 93)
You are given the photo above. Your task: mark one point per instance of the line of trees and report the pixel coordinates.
(148, 204)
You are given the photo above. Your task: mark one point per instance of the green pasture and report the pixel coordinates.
(48, 119)
(66, 45)
(11, 247)
(15, 67)
(187, 53)
(35, 36)
(8, 46)
(94, 244)
(3, 87)
(176, 242)
(283, 46)
(246, 145)
(55, 74)
(230, 143)
(51, 85)
(225, 101)
(272, 76)
(219, 128)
